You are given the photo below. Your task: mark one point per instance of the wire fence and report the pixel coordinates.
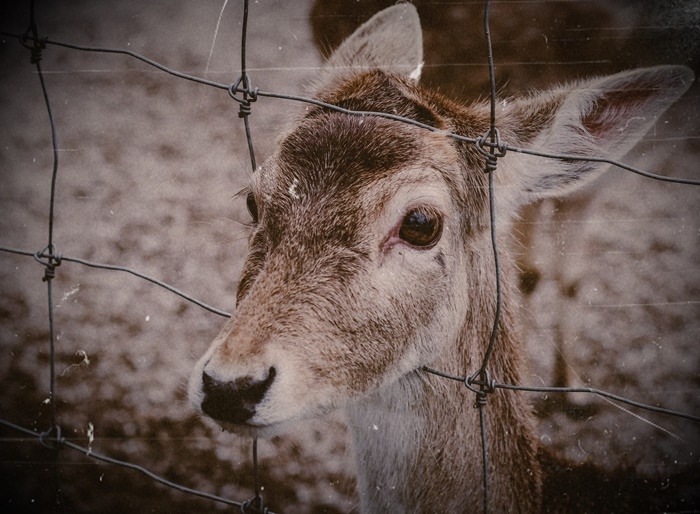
(479, 381)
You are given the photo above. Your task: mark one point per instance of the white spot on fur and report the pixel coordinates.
(415, 74)
(293, 189)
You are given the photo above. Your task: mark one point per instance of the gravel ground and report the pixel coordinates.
(149, 168)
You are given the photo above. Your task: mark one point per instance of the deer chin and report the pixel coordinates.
(272, 420)
(258, 430)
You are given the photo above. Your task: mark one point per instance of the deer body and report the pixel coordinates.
(371, 258)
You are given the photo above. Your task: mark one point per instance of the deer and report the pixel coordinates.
(370, 258)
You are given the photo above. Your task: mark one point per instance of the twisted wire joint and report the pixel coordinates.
(250, 94)
(52, 442)
(51, 262)
(35, 48)
(498, 149)
(482, 385)
(256, 506)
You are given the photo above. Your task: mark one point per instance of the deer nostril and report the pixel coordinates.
(234, 401)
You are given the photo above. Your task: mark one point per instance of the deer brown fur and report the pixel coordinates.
(338, 308)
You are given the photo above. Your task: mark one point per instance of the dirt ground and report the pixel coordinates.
(149, 169)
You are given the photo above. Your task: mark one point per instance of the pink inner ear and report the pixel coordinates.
(619, 112)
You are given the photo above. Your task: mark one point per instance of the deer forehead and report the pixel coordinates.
(339, 171)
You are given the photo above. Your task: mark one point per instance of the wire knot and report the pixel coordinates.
(256, 506)
(497, 148)
(50, 260)
(482, 385)
(250, 95)
(36, 48)
(52, 442)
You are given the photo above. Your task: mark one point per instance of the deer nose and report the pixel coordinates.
(234, 401)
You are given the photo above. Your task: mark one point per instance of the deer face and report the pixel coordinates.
(346, 287)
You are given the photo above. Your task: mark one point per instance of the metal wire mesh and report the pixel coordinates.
(242, 91)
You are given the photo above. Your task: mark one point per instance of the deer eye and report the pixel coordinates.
(421, 227)
(252, 206)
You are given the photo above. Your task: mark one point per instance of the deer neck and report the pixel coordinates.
(418, 442)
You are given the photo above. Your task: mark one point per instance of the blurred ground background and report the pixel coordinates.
(149, 168)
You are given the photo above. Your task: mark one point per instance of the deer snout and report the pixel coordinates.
(234, 401)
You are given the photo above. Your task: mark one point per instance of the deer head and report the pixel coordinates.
(370, 252)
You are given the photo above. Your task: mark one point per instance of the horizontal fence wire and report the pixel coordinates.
(489, 144)
(256, 93)
(112, 267)
(549, 389)
(56, 441)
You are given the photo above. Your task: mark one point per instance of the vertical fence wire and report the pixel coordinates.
(490, 168)
(52, 260)
(257, 504)
(248, 93)
(49, 252)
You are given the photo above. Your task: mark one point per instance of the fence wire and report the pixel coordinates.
(242, 91)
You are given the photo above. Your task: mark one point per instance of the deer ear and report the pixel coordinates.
(603, 117)
(391, 40)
